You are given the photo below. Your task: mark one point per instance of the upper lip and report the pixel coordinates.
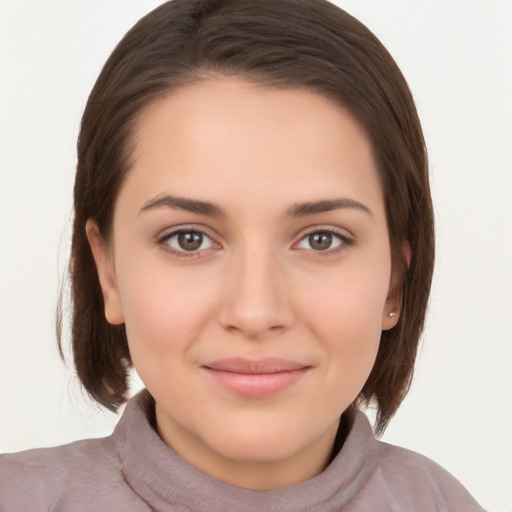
(255, 366)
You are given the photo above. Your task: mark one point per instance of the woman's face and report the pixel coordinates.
(250, 262)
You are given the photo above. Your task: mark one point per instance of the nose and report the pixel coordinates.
(255, 300)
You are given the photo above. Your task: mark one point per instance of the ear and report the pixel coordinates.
(393, 305)
(106, 274)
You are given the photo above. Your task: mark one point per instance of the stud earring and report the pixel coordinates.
(392, 314)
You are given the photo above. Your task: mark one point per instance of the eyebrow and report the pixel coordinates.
(214, 210)
(183, 203)
(325, 205)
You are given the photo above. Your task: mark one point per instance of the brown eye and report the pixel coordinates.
(188, 241)
(321, 241)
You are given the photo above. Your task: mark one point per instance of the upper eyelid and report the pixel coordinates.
(342, 232)
(168, 232)
(347, 240)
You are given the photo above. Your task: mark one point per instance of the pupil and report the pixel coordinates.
(190, 241)
(320, 241)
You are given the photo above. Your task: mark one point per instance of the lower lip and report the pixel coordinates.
(256, 385)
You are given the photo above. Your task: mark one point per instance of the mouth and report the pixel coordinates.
(256, 378)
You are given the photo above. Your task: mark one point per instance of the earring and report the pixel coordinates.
(392, 314)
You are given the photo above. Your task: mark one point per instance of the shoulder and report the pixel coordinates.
(61, 463)
(68, 477)
(419, 483)
(399, 479)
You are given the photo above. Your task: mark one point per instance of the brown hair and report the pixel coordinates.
(280, 43)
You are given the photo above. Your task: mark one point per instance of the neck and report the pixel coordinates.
(251, 473)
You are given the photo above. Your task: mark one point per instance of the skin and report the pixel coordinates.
(257, 286)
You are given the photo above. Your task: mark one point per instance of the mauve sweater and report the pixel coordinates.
(133, 470)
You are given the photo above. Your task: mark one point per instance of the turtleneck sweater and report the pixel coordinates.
(133, 470)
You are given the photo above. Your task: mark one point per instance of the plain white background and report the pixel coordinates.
(457, 57)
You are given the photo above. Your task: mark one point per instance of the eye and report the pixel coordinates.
(322, 241)
(188, 240)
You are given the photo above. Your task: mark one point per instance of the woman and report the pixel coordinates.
(253, 233)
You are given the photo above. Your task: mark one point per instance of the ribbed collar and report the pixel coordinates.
(166, 482)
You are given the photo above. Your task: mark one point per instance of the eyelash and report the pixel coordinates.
(163, 240)
(345, 241)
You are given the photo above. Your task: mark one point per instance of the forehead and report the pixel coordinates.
(224, 136)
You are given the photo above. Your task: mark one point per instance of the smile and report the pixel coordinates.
(256, 378)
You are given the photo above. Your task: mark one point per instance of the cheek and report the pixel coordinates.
(347, 300)
(164, 312)
(345, 316)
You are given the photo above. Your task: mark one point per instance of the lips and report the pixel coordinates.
(256, 378)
